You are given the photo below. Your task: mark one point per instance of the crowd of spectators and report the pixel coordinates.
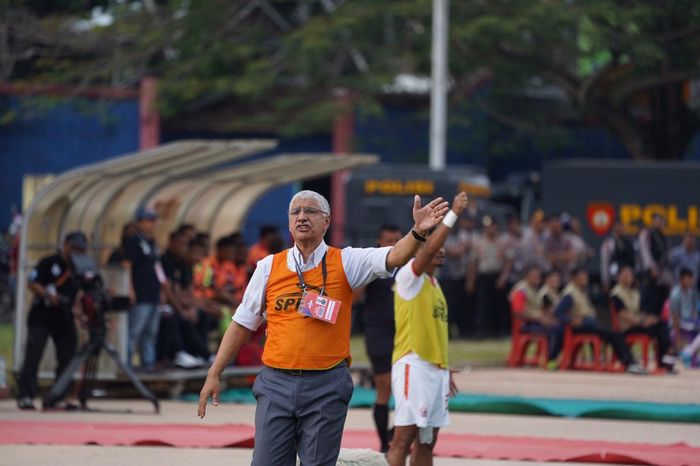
(183, 295)
(542, 269)
(484, 260)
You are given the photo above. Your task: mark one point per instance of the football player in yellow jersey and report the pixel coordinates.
(421, 380)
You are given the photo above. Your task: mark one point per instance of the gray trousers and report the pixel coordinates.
(301, 415)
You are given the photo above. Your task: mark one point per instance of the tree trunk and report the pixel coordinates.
(672, 125)
(663, 132)
(637, 141)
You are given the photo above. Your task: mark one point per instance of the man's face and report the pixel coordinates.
(537, 225)
(130, 230)
(188, 234)
(576, 226)
(555, 226)
(226, 253)
(534, 277)
(689, 242)
(581, 279)
(240, 254)
(439, 259)
(388, 238)
(69, 250)
(179, 246)
(658, 222)
(514, 226)
(687, 281)
(618, 229)
(147, 226)
(491, 231)
(196, 254)
(466, 223)
(626, 277)
(554, 281)
(307, 222)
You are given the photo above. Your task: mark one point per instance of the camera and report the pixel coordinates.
(95, 299)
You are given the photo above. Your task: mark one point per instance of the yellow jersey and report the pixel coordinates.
(420, 312)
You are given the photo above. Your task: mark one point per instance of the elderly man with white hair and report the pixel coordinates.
(305, 293)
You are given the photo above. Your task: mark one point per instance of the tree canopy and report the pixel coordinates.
(623, 64)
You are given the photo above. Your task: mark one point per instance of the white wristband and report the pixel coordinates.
(450, 219)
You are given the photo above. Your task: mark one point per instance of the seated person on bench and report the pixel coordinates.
(526, 305)
(685, 306)
(577, 309)
(632, 319)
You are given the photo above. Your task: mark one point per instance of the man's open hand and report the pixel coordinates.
(428, 216)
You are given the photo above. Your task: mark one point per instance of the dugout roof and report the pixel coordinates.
(203, 182)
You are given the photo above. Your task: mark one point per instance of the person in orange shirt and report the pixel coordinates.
(230, 279)
(305, 386)
(268, 234)
(202, 275)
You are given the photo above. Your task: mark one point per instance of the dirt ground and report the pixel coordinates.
(680, 388)
(684, 388)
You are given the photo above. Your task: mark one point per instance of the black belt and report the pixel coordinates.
(302, 372)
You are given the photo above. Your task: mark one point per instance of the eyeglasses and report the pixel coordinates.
(307, 210)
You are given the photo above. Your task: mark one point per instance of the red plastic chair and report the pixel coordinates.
(644, 341)
(521, 342)
(574, 343)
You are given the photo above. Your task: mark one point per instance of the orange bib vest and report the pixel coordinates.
(298, 342)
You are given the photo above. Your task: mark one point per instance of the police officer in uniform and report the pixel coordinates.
(51, 315)
(656, 279)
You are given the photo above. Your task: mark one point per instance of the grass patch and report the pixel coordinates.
(6, 342)
(473, 352)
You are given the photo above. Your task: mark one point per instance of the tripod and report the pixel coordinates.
(89, 355)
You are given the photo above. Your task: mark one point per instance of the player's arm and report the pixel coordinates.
(437, 239)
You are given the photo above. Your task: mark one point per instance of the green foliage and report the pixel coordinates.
(461, 352)
(280, 63)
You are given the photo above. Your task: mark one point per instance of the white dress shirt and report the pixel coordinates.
(361, 266)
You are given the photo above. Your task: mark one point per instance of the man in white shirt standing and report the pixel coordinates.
(421, 380)
(305, 293)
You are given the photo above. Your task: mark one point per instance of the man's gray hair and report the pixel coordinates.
(306, 194)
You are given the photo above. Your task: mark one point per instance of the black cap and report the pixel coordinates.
(144, 213)
(77, 239)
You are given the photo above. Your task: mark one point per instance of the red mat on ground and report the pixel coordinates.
(449, 445)
(495, 447)
(111, 433)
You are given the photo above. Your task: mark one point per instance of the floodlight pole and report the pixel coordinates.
(438, 90)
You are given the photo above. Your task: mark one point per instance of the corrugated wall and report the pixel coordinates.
(49, 135)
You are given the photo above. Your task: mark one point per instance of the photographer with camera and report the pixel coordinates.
(55, 289)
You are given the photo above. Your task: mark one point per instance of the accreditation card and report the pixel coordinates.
(319, 307)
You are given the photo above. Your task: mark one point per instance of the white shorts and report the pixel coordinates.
(421, 392)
